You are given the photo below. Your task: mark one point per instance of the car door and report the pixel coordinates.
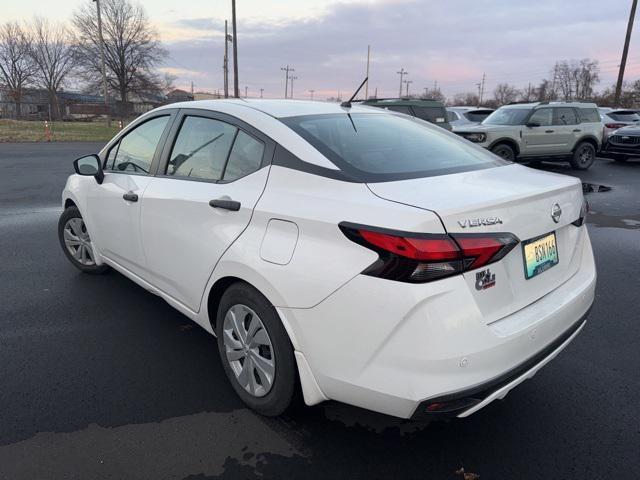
(567, 130)
(209, 181)
(114, 205)
(539, 140)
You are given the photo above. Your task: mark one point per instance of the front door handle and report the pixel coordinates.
(577, 130)
(130, 197)
(548, 131)
(225, 203)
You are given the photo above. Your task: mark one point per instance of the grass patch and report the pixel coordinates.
(34, 131)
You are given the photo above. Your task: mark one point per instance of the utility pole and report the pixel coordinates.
(407, 82)
(286, 71)
(311, 92)
(261, 91)
(402, 73)
(481, 89)
(104, 66)
(552, 93)
(366, 87)
(225, 63)
(192, 88)
(625, 51)
(245, 91)
(292, 78)
(236, 91)
(426, 92)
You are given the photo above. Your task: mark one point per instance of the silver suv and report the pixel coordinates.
(541, 131)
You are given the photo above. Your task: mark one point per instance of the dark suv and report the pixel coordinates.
(432, 111)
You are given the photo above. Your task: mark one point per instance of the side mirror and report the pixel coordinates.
(532, 124)
(89, 166)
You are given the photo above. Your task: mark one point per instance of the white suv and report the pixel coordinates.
(541, 131)
(363, 255)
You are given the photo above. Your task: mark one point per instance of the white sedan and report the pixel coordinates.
(358, 254)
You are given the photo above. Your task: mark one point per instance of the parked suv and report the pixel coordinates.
(460, 117)
(535, 131)
(432, 111)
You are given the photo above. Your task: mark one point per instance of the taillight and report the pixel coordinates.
(419, 258)
(615, 125)
(584, 210)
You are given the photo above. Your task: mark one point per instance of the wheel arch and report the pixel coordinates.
(507, 140)
(589, 139)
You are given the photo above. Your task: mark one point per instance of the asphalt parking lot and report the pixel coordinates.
(101, 379)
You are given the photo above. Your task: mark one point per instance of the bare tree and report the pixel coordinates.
(433, 94)
(53, 55)
(576, 80)
(16, 65)
(505, 93)
(131, 45)
(464, 99)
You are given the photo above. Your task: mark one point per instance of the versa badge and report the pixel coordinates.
(485, 279)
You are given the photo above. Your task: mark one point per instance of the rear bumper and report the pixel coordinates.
(393, 347)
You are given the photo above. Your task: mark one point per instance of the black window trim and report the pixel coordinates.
(267, 155)
(115, 142)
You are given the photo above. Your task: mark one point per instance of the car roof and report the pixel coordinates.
(275, 108)
(469, 109)
(383, 102)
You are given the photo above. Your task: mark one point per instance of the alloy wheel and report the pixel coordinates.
(585, 155)
(248, 350)
(78, 242)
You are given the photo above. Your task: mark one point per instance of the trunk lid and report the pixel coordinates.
(513, 199)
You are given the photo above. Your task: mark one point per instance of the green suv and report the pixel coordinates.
(430, 110)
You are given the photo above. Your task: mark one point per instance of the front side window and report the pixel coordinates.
(381, 147)
(564, 116)
(134, 153)
(245, 157)
(507, 116)
(542, 116)
(201, 149)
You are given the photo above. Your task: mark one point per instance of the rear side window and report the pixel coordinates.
(134, 153)
(201, 149)
(564, 116)
(400, 109)
(624, 116)
(383, 147)
(588, 115)
(245, 157)
(431, 114)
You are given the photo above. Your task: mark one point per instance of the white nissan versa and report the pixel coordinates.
(367, 256)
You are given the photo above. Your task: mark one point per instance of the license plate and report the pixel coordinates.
(540, 254)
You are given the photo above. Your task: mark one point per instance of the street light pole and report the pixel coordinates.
(236, 90)
(286, 71)
(625, 51)
(104, 66)
(292, 78)
(402, 73)
(225, 64)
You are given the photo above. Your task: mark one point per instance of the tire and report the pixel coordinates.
(269, 345)
(504, 151)
(583, 156)
(76, 242)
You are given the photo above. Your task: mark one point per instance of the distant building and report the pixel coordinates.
(179, 95)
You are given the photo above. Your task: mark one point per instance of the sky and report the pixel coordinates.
(451, 42)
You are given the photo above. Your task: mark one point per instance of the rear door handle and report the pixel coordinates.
(130, 197)
(577, 130)
(225, 203)
(548, 131)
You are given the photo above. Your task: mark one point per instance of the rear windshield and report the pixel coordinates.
(507, 116)
(431, 114)
(624, 116)
(378, 148)
(477, 115)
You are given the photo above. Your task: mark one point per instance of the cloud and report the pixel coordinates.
(452, 42)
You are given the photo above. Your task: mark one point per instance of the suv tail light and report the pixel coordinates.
(615, 125)
(420, 258)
